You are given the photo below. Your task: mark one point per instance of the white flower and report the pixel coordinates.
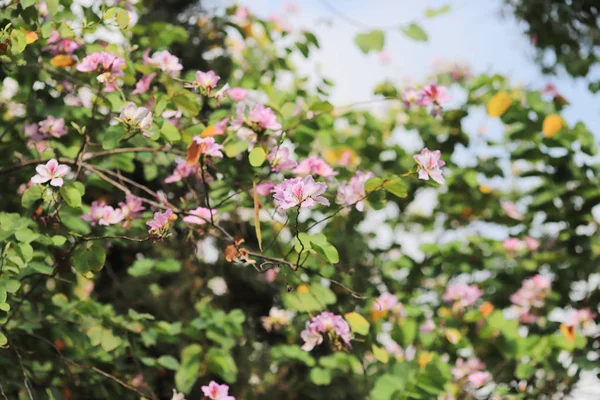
(52, 171)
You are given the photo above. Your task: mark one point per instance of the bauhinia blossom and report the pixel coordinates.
(325, 323)
(107, 64)
(430, 165)
(279, 158)
(96, 213)
(111, 216)
(52, 171)
(221, 127)
(164, 61)
(263, 118)
(385, 304)
(513, 245)
(531, 243)
(433, 94)
(466, 367)
(136, 118)
(199, 216)
(237, 93)
(511, 210)
(462, 294)
(182, 170)
(159, 226)
(353, 192)
(277, 319)
(303, 192)
(205, 81)
(479, 378)
(214, 391)
(52, 126)
(530, 296)
(58, 45)
(132, 206)
(143, 85)
(202, 147)
(313, 165)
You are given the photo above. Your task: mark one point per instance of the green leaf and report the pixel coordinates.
(26, 235)
(187, 101)
(170, 132)
(320, 376)
(111, 137)
(257, 157)
(47, 29)
(232, 149)
(321, 106)
(52, 6)
(3, 340)
(141, 267)
(396, 186)
(71, 195)
(524, 371)
(287, 352)
(380, 354)
(357, 323)
(432, 12)
(168, 362)
(187, 373)
(328, 250)
(415, 32)
(88, 257)
(27, 3)
(123, 18)
(31, 195)
(373, 40)
(109, 341)
(373, 184)
(386, 386)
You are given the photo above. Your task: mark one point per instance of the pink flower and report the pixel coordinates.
(303, 192)
(208, 146)
(385, 302)
(430, 165)
(206, 80)
(214, 391)
(479, 378)
(52, 126)
(164, 61)
(264, 117)
(532, 244)
(199, 216)
(578, 317)
(433, 94)
(102, 62)
(264, 189)
(159, 226)
(313, 165)
(222, 93)
(143, 85)
(96, 213)
(325, 323)
(57, 45)
(52, 171)
(410, 96)
(221, 126)
(511, 210)
(532, 294)
(513, 245)
(463, 294)
(181, 171)
(385, 57)
(279, 158)
(353, 192)
(132, 206)
(428, 326)
(138, 118)
(110, 216)
(467, 367)
(237, 93)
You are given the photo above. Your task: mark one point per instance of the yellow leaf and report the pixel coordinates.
(30, 37)
(425, 359)
(257, 217)
(486, 308)
(302, 288)
(61, 61)
(376, 315)
(552, 124)
(358, 323)
(485, 189)
(445, 312)
(453, 335)
(568, 331)
(209, 131)
(498, 104)
(380, 354)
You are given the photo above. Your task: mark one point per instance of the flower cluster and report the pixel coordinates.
(164, 61)
(462, 294)
(471, 370)
(313, 165)
(513, 245)
(353, 192)
(136, 118)
(159, 226)
(277, 319)
(102, 214)
(431, 95)
(325, 323)
(531, 295)
(385, 304)
(57, 45)
(279, 158)
(200, 216)
(108, 66)
(302, 192)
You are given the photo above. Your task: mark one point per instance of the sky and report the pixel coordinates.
(473, 32)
